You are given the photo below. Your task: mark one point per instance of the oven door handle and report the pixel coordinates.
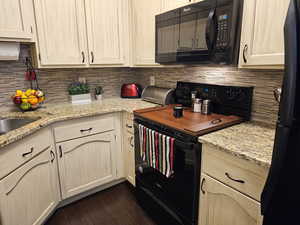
(211, 31)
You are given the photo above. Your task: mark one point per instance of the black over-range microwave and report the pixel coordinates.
(204, 32)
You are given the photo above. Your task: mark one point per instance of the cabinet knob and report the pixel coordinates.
(244, 53)
(235, 180)
(202, 184)
(93, 57)
(131, 142)
(83, 57)
(60, 151)
(53, 156)
(28, 153)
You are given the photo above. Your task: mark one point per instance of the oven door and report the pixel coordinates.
(180, 192)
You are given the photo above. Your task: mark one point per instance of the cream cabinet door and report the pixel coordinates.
(220, 204)
(143, 31)
(107, 22)
(16, 20)
(61, 32)
(130, 157)
(173, 4)
(30, 194)
(262, 41)
(87, 162)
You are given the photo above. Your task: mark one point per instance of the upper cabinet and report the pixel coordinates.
(61, 32)
(262, 41)
(81, 33)
(143, 31)
(107, 22)
(173, 4)
(16, 20)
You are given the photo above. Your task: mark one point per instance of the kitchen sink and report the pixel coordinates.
(9, 124)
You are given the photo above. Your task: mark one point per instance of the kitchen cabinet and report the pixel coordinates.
(173, 4)
(143, 31)
(30, 193)
(82, 33)
(262, 39)
(220, 204)
(230, 189)
(16, 20)
(61, 33)
(86, 163)
(107, 25)
(128, 147)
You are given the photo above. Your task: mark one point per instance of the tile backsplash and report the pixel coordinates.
(265, 108)
(56, 81)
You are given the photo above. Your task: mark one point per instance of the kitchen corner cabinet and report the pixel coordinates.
(16, 20)
(29, 194)
(128, 147)
(86, 163)
(262, 39)
(220, 204)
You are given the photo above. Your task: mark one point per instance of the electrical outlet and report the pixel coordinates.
(82, 80)
(152, 80)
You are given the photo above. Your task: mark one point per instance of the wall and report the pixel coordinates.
(265, 108)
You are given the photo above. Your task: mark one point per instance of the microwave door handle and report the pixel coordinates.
(210, 23)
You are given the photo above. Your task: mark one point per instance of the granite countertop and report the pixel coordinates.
(247, 141)
(51, 113)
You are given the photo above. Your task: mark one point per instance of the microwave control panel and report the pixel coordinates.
(223, 32)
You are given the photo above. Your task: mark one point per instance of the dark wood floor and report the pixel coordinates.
(115, 206)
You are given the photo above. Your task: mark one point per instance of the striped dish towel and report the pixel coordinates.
(157, 150)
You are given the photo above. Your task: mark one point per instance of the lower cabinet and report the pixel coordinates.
(29, 194)
(86, 163)
(220, 204)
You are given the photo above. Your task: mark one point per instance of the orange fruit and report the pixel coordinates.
(33, 100)
(41, 99)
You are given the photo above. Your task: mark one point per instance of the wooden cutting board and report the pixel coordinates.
(192, 123)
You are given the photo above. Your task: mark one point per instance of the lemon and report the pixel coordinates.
(19, 93)
(28, 92)
(24, 98)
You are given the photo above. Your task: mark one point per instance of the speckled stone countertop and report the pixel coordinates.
(247, 141)
(52, 113)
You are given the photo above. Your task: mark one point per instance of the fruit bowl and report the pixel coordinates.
(29, 100)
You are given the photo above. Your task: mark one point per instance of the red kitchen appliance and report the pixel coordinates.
(131, 91)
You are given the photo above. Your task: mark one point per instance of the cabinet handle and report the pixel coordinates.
(83, 57)
(235, 180)
(244, 53)
(128, 126)
(28, 153)
(131, 142)
(86, 130)
(202, 184)
(60, 151)
(92, 54)
(53, 156)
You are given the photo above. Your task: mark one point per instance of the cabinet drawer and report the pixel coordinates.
(14, 155)
(128, 122)
(237, 173)
(83, 127)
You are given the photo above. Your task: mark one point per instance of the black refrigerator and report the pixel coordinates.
(280, 199)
